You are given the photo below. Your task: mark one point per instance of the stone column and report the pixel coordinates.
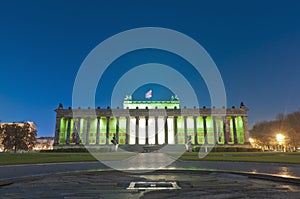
(166, 130)
(195, 130)
(68, 131)
(137, 120)
(234, 131)
(246, 132)
(156, 130)
(117, 129)
(57, 131)
(127, 130)
(107, 130)
(205, 130)
(147, 131)
(185, 129)
(175, 130)
(226, 129)
(88, 127)
(98, 131)
(216, 136)
(78, 131)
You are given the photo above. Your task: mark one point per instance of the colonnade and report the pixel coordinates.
(151, 130)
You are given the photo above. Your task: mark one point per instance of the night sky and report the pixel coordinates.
(255, 45)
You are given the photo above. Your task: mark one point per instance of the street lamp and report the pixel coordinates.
(280, 138)
(251, 140)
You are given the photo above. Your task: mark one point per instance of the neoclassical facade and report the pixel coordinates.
(146, 126)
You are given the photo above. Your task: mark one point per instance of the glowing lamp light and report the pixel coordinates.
(252, 142)
(280, 138)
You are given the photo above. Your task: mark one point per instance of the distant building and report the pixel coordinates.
(44, 143)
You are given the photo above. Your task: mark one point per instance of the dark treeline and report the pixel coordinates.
(17, 137)
(264, 133)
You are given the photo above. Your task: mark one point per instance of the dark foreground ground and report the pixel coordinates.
(113, 184)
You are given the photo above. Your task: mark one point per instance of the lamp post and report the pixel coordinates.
(280, 139)
(252, 142)
(255, 143)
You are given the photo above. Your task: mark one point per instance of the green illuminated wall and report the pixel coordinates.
(240, 129)
(214, 126)
(102, 132)
(93, 131)
(180, 130)
(220, 130)
(210, 130)
(72, 132)
(63, 130)
(82, 131)
(75, 131)
(200, 130)
(122, 130)
(229, 130)
(190, 128)
(112, 128)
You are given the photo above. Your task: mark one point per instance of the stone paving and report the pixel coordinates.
(198, 179)
(113, 184)
(151, 161)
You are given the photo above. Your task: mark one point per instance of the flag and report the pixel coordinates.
(148, 95)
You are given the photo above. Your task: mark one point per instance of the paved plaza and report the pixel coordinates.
(113, 184)
(151, 161)
(197, 179)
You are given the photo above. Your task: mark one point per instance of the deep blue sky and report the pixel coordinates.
(255, 44)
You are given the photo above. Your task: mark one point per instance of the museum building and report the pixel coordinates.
(150, 123)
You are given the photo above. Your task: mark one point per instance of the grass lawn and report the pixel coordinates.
(34, 158)
(271, 157)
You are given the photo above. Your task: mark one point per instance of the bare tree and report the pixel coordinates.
(18, 137)
(292, 121)
(1, 138)
(289, 125)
